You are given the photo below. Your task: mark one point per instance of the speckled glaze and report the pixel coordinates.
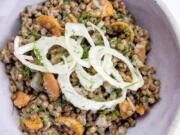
(165, 55)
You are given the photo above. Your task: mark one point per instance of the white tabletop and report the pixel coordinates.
(173, 6)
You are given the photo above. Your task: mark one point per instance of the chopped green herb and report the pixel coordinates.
(115, 41)
(35, 35)
(121, 16)
(117, 91)
(65, 16)
(85, 52)
(50, 116)
(99, 43)
(145, 99)
(99, 97)
(34, 110)
(84, 16)
(126, 31)
(94, 20)
(26, 73)
(115, 115)
(126, 47)
(75, 37)
(37, 53)
(56, 103)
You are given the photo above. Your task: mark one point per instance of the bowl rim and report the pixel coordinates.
(173, 22)
(176, 29)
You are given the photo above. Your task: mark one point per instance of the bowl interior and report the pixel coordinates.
(164, 55)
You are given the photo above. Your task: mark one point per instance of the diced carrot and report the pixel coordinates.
(51, 85)
(72, 123)
(140, 109)
(124, 26)
(21, 99)
(51, 24)
(125, 109)
(107, 9)
(140, 50)
(56, 31)
(72, 18)
(33, 124)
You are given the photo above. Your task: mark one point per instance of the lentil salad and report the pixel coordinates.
(43, 111)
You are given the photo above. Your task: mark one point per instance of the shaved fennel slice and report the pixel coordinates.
(89, 82)
(106, 42)
(116, 75)
(45, 43)
(76, 29)
(100, 25)
(24, 61)
(16, 43)
(95, 58)
(82, 102)
(106, 64)
(92, 82)
(26, 57)
(23, 49)
(36, 82)
(137, 78)
(18, 52)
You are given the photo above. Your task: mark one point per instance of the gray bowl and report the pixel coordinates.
(165, 55)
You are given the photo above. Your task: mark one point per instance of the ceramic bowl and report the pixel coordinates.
(165, 55)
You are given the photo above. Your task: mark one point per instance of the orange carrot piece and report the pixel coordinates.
(107, 8)
(72, 18)
(140, 50)
(51, 85)
(33, 124)
(21, 99)
(51, 24)
(72, 123)
(125, 109)
(140, 109)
